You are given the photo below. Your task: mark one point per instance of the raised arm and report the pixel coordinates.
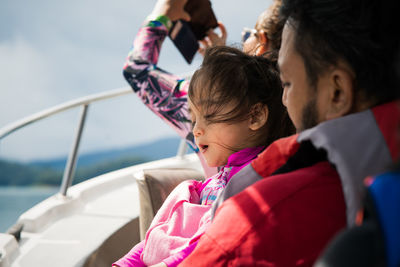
(164, 93)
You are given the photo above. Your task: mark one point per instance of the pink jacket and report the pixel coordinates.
(179, 223)
(184, 216)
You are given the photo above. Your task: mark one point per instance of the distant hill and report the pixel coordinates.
(49, 172)
(159, 149)
(14, 173)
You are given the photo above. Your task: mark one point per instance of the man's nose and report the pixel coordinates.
(284, 97)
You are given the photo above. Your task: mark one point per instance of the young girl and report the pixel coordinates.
(165, 93)
(236, 110)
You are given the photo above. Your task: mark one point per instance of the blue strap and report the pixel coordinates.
(385, 191)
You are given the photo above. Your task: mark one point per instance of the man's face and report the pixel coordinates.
(299, 97)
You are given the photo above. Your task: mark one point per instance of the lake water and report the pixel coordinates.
(16, 200)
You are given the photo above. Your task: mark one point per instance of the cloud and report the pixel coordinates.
(24, 79)
(31, 83)
(56, 51)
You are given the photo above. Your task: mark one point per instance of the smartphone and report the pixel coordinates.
(185, 35)
(184, 39)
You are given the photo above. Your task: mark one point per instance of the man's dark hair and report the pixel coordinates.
(363, 33)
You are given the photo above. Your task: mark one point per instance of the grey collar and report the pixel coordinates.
(357, 148)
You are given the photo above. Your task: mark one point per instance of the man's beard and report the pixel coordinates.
(309, 115)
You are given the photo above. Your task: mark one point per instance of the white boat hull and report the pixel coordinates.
(94, 225)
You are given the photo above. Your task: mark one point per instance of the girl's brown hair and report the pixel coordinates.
(229, 77)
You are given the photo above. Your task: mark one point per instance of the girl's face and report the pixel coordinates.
(217, 141)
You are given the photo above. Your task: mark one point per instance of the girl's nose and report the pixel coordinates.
(197, 130)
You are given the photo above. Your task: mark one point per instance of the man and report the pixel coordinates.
(375, 238)
(339, 88)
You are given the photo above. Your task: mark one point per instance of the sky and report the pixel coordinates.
(53, 51)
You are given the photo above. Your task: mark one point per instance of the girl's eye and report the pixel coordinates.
(286, 84)
(193, 123)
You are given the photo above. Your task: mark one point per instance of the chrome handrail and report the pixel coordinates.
(69, 171)
(8, 129)
(84, 102)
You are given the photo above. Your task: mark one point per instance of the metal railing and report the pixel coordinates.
(83, 102)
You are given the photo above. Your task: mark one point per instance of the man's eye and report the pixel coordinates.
(285, 85)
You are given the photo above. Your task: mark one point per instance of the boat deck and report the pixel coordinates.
(94, 225)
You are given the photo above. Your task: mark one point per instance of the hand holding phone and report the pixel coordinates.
(202, 17)
(185, 35)
(213, 39)
(173, 9)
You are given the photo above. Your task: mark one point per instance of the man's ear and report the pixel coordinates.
(264, 43)
(259, 116)
(341, 93)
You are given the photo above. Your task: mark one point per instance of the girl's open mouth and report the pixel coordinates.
(203, 148)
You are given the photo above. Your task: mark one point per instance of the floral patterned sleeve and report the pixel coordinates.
(164, 93)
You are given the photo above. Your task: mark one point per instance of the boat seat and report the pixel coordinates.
(154, 186)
